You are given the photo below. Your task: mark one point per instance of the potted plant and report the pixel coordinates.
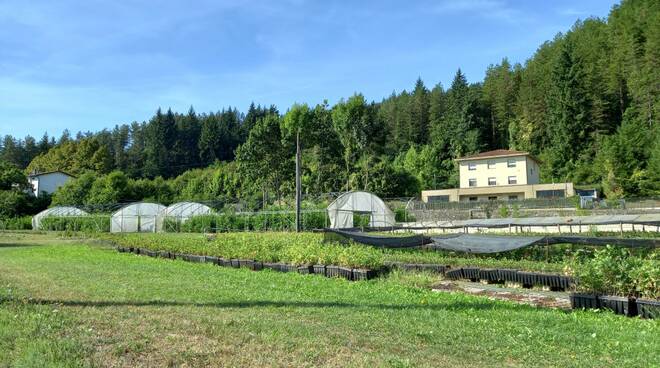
(647, 287)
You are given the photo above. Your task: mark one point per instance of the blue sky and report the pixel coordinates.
(86, 65)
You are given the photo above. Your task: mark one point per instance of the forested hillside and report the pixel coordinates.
(587, 103)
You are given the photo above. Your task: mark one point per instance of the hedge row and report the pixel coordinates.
(291, 248)
(254, 222)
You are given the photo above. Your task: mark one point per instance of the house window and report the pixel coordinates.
(557, 193)
(473, 199)
(472, 182)
(492, 181)
(513, 180)
(438, 198)
(472, 166)
(491, 164)
(492, 198)
(511, 163)
(513, 197)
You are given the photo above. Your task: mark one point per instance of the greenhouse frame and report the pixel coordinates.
(342, 210)
(141, 217)
(57, 211)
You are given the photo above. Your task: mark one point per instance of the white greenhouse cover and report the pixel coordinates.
(342, 209)
(183, 211)
(136, 218)
(57, 211)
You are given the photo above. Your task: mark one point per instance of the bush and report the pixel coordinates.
(615, 271)
(16, 223)
(280, 221)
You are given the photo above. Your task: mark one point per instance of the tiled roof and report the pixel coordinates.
(495, 153)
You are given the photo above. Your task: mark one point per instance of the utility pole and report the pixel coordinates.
(298, 183)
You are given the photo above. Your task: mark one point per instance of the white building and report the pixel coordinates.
(47, 182)
(499, 175)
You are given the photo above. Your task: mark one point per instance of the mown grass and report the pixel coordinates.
(137, 311)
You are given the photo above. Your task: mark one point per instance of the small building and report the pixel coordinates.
(47, 182)
(502, 175)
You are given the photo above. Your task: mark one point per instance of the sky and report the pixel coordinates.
(89, 65)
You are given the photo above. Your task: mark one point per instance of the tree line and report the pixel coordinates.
(586, 103)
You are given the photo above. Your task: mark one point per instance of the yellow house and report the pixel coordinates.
(502, 175)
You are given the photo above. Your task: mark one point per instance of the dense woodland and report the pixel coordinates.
(587, 103)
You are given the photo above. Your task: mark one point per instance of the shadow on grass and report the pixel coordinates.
(453, 306)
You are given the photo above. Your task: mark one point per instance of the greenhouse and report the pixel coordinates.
(58, 211)
(137, 218)
(343, 209)
(175, 215)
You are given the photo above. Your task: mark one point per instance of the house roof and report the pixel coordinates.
(496, 153)
(50, 172)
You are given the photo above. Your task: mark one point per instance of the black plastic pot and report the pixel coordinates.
(527, 279)
(306, 269)
(648, 308)
(507, 274)
(362, 274)
(211, 259)
(584, 301)
(345, 272)
(620, 305)
(234, 263)
(490, 275)
(319, 269)
(332, 271)
(258, 266)
(271, 266)
(163, 254)
(246, 263)
(224, 262)
(454, 274)
(288, 268)
(195, 258)
(121, 249)
(471, 273)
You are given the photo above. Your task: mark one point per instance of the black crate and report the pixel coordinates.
(319, 269)
(584, 301)
(234, 263)
(258, 266)
(454, 274)
(271, 266)
(288, 268)
(471, 273)
(332, 271)
(507, 274)
(246, 263)
(345, 272)
(648, 308)
(224, 262)
(618, 305)
(211, 259)
(361, 274)
(488, 274)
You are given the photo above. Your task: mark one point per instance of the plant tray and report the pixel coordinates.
(224, 262)
(345, 272)
(619, 305)
(488, 274)
(527, 279)
(507, 274)
(455, 274)
(246, 263)
(332, 271)
(288, 268)
(471, 273)
(211, 259)
(271, 266)
(361, 274)
(436, 268)
(234, 263)
(258, 266)
(648, 308)
(584, 301)
(319, 269)
(305, 270)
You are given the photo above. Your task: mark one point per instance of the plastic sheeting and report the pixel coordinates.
(341, 210)
(469, 243)
(376, 240)
(483, 243)
(183, 211)
(137, 218)
(58, 211)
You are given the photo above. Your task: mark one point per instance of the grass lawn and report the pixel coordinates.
(69, 303)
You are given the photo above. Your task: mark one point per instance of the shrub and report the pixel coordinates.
(95, 223)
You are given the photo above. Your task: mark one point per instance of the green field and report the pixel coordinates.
(75, 303)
